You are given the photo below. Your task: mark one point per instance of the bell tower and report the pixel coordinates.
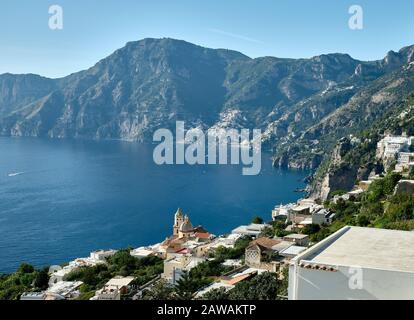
(178, 220)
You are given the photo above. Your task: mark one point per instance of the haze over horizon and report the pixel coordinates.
(93, 30)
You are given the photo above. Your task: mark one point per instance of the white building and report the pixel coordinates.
(282, 211)
(297, 239)
(142, 252)
(33, 296)
(228, 241)
(57, 273)
(405, 161)
(323, 216)
(122, 283)
(390, 146)
(252, 230)
(292, 251)
(355, 263)
(65, 289)
(233, 263)
(177, 264)
(158, 250)
(107, 293)
(205, 249)
(101, 255)
(114, 288)
(406, 157)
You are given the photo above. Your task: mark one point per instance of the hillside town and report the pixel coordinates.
(185, 249)
(286, 246)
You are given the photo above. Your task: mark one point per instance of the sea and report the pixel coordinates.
(62, 199)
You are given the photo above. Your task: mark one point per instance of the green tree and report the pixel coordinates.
(26, 268)
(363, 220)
(42, 279)
(185, 287)
(380, 188)
(237, 252)
(86, 292)
(216, 295)
(123, 262)
(212, 268)
(411, 174)
(282, 290)
(279, 227)
(257, 220)
(376, 191)
(262, 287)
(311, 229)
(189, 284)
(390, 181)
(337, 193)
(162, 290)
(400, 207)
(267, 232)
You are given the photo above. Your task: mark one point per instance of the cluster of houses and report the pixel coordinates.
(397, 155)
(398, 150)
(395, 152)
(304, 212)
(59, 289)
(261, 255)
(186, 248)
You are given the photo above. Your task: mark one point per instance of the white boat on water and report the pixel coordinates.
(14, 174)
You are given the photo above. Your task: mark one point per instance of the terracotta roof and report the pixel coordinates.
(265, 242)
(183, 251)
(202, 235)
(237, 279)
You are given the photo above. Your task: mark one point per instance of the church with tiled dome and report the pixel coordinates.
(182, 225)
(184, 231)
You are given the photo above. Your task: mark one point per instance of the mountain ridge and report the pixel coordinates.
(300, 104)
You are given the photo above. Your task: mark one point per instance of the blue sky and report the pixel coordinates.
(284, 28)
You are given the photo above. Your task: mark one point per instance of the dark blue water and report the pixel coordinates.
(74, 197)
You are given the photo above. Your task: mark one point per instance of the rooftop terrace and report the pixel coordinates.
(365, 247)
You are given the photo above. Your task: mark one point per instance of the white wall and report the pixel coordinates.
(310, 284)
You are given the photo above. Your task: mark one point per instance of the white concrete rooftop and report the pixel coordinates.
(120, 282)
(367, 248)
(296, 236)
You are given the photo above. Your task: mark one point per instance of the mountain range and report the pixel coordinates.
(303, 106)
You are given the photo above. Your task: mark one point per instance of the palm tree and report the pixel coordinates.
(185, 287)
